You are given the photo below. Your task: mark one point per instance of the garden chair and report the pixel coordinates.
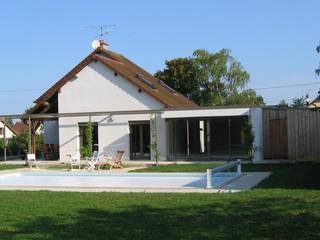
(116, 161)
(93, 162)
(31, 160)
(75, 161)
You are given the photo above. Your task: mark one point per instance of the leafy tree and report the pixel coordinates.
(299, 102)
(1, 147)
(210, 79)
(247, 97)
(18, 145)
(9, 122)
(283, 103)
(181, 75)
(39, 142)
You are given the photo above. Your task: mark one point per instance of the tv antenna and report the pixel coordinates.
(102, 29)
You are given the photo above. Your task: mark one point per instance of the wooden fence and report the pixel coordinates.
(290, 133)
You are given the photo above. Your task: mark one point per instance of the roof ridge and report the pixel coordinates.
(128, 69)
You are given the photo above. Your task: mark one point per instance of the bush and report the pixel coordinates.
(18, 145)
(39, 142)
(86, 152)
(1, 147)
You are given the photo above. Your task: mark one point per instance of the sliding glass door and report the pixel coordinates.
(207, 138)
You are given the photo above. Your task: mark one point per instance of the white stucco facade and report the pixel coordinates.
(97, 89)
(4, 130)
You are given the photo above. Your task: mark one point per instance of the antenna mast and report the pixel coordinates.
(102, 29)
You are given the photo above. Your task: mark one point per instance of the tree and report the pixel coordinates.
(181, 75)
(299, 102)
(283, 103)
(210, 79)
(1, 147)
(247, 97)
(9, 122)
(18, 145)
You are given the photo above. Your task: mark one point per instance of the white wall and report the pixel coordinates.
(9, 133)
(257, 129)
(51, 132)
(97, 89)
(216, 112)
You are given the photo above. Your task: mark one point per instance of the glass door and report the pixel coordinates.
(140, 140)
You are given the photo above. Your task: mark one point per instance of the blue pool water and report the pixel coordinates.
(112, 180)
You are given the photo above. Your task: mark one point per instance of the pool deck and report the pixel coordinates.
(245, 182)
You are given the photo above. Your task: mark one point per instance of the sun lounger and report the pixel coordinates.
(116, 161)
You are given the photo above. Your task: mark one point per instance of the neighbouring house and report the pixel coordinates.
(21, 127)
(131, 110)
(6, 131)
(315, 104)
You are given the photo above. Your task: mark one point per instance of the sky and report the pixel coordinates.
(42, 40)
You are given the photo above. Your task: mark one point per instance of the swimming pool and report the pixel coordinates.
(113, 180)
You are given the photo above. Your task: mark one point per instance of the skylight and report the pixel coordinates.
(142, 79)
(167, 87)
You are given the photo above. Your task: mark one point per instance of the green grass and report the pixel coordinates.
(57, 166)
(288, 176)
(11, 166)
(285, 206)
(259, 214)
(284, 175)
(178, 168)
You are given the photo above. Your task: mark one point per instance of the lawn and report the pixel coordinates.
(285, 175)
(285, 206)
(11, 166)
(179, 168)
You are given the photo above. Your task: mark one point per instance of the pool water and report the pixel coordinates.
(113, 180)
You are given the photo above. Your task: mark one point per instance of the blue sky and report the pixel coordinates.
(42, 40)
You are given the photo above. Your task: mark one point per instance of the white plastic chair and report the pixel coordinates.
(31, 160)
(75, 161)
(93, 162)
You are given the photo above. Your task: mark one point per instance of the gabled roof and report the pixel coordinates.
(315, 103)
(20, 127)
(8, 126)
(128, 70)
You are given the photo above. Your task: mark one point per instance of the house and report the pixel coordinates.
(131, 110)
(21, 127)
(6, 131)
(315, 104)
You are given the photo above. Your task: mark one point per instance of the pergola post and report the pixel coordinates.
(5, 143)
(30, 136)
(229, 138)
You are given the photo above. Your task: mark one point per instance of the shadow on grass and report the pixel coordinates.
(256, 218)
(288, 175)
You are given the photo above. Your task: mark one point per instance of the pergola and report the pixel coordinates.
(33, 121)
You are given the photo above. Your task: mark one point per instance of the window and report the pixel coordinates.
(1, 131)
(142, 79)
(162, 83)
